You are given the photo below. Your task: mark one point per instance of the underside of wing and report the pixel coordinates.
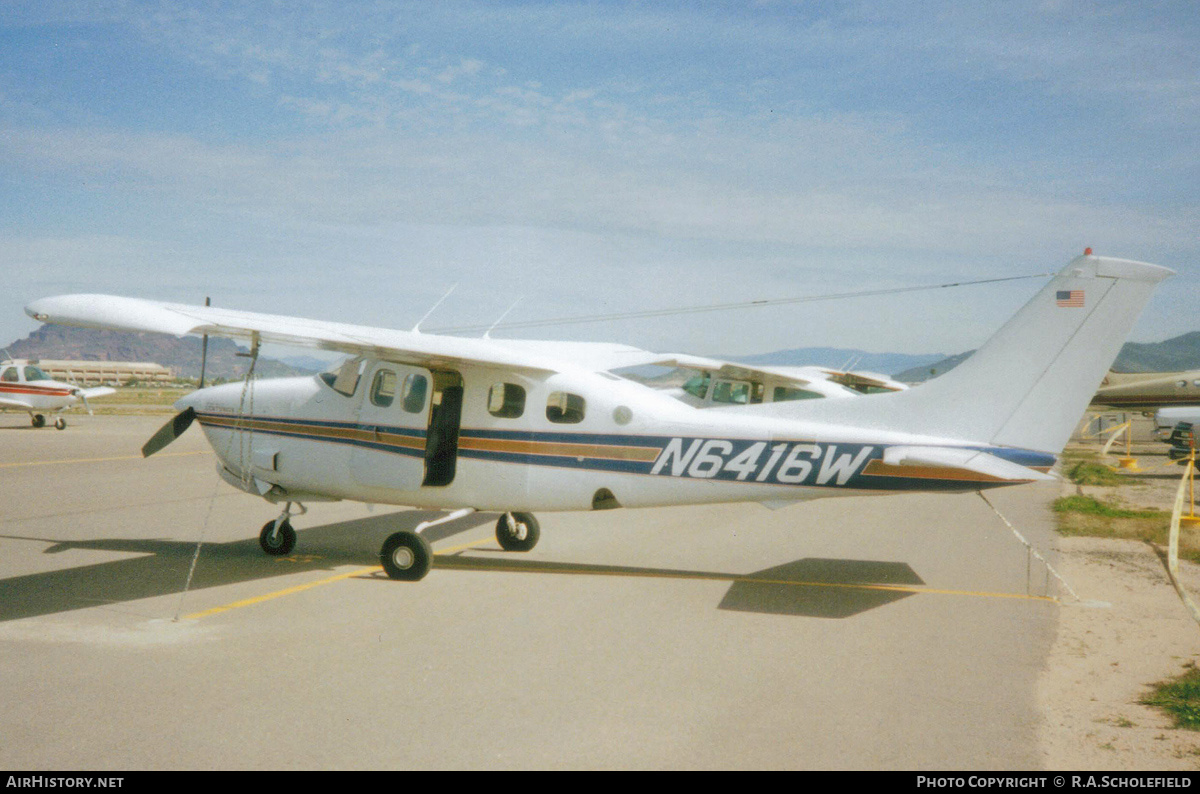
(427, 350)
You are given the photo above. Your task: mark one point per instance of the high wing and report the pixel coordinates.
(411, 347)
(827, 382)
(862, 381)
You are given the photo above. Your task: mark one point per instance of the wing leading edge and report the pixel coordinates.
(117, 313)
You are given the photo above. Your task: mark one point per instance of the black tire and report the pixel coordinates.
(39, 420)
(60, 423)
(406, 556)
(524, 538)
(282, 543)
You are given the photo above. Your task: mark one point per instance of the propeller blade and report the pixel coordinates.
(169, 432)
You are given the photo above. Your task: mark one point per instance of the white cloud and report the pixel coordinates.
(747, 150)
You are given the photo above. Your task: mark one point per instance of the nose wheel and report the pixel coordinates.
(517, 531)
(277, 541)
(60, 423)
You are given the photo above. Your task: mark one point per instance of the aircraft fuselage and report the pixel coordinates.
(566, 441)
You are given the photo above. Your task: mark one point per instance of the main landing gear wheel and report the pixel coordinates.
(406, 556)
(277, 544)
(517, 531)
(60, 423)
(39, 420)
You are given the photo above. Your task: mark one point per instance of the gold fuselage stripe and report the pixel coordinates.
(560, 449)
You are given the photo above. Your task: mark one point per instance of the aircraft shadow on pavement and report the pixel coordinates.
(163, 568)
(826, 588)
(813, 587)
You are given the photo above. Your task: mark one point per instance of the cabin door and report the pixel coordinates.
(389, 448)
(445, 420)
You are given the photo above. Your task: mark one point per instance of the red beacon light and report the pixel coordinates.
(1087, 252)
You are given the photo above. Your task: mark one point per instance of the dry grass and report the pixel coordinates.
(138, 400)
(1088, 516)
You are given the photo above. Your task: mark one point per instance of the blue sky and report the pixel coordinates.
(353, 161)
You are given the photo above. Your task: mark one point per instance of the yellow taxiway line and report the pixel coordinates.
(98, 460)
(246, 602)
(449, 565)
(717, 577)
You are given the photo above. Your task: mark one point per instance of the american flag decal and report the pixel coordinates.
(1069, 298)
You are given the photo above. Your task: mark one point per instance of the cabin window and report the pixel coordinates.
(785, 393)
(33, 373)
(415, 388)
(383, 388)
(697, 385)
(565, 409)
(506, 400)
(736, 392)
(10, 375)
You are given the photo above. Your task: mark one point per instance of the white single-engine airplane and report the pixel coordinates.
(26, 388)
(516, 426)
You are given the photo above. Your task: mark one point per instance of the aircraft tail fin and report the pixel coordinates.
(1028, 386)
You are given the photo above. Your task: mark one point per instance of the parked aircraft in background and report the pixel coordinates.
(515, 426)
(710, 383)
(1145, 391)
(26, 388)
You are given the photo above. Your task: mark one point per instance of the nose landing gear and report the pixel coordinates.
(277, 537)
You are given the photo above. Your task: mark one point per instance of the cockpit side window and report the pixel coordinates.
(565, 409)
(697, 385)
(10, 375)
(736, 392)
(383, 388)
(785, 393)
(33, 373)
(415, 388)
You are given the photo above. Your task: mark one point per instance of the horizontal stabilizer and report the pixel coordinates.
(980, 465)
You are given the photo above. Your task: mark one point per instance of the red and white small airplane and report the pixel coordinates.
(513, 426)
(26, 388)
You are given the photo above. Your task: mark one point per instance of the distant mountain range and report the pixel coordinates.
(181, 356)
(1172, 355)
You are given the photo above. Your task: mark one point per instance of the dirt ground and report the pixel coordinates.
(1108, 655)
